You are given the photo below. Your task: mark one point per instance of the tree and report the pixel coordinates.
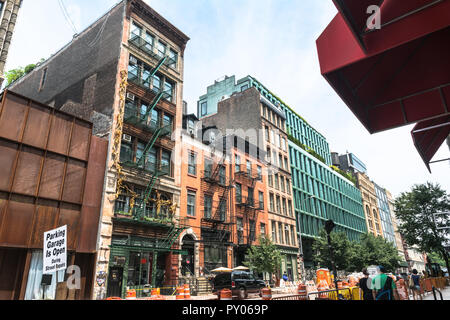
(13, 75)
(415, 210)
(354, 256)
(342, 248)
(374, 250)
(263, 258)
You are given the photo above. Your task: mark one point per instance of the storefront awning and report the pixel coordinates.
(428, 137)
(393, 76)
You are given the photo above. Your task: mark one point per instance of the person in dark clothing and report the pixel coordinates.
(415, 277)
(363, 284)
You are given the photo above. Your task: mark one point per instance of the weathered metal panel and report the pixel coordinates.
(36, 129)
(13, 117)
(17, 222)
(70, 215)
(52, 177)
(27, 171)
(60, 134)
(79, 147)
(8, 152)
(90, 212)
(45, 174)
(74, 182)
(45, 219)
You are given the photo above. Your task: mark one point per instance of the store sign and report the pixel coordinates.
(55, 250)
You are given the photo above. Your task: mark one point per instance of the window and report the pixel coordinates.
(168, 122)
(44, 73)
(251, 196)
(222, 175)
(280, 232)
(156, 83)
(244, 87)
(223, 209)
(165, 162)
(126, 152)
(271, 181)
(173, 56)
(290, 212)
(237, 160)
(240, 230)
(267, 135)
(249, 168)
(204, 108)
(169, 90)
(277, 185)
(268, 155)
(280, 161)
(287, 235)
(208, 206)
(286, 165)
(238, 193)
(161, 49)
(288, 186)
(259, 172)
(272, 202)
(208, 167)
(263, 229)
(284, 207)
(192, 164)
(274, 231)
(261, 200)
(136, 30)
(282, 184)
(191, 203)
(278, 204)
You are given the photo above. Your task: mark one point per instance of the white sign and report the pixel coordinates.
(55, 250)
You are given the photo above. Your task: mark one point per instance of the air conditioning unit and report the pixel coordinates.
(286, 228)
(126, 138)
(130, 96)
(241, 229)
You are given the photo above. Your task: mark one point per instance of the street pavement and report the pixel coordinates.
(445, 295)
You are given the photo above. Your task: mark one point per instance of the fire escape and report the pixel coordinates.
(248, 208)
(156, 212)
(216, 219)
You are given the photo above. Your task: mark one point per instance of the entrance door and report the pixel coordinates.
(115, 282)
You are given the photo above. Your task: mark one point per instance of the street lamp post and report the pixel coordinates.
(299, 233)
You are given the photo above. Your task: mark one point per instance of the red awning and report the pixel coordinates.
(394, 76)
(429, 135)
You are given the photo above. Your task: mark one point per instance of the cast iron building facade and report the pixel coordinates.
(125, 74)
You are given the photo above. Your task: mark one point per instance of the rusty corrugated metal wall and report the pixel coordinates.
(44, 165)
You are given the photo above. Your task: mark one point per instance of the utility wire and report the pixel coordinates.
(67, 16)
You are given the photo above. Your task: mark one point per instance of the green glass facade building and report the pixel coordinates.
(320, 192)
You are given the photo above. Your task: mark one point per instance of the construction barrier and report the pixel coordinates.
(346, 293)
(187, 291)
(226, 294)
(180, 293)
(302, 292)
(266, 294)
(131, 295)
(356, 293)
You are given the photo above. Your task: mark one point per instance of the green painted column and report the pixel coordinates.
(154, 264)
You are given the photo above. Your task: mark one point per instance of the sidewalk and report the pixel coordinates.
(445, 295)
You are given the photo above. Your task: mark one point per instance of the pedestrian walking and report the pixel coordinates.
(414, 284)
(363, 284)
(383, 287)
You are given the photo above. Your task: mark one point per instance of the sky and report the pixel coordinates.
(272, 40)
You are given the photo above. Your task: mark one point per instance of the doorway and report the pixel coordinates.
(115, 282)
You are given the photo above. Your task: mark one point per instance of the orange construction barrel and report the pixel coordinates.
(187, 291)
(131, 295)
(180, 293)
(266, 294)
(226, 294)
